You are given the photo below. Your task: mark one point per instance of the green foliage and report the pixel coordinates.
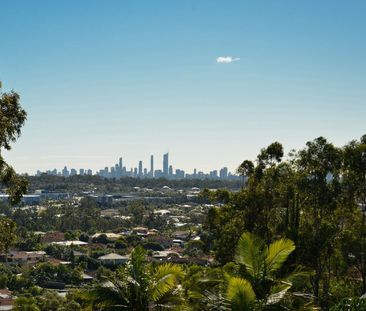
(120, 244)
(350, 304)
(12, 118)
(44, 273)
(194, 248)
(26, 304)
(102, 238)
(138, 286)
(7, 234)
(260, 276)
(84, 237)
(240, 294)
(154, 246)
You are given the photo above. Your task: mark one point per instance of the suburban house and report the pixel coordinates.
(113, 259)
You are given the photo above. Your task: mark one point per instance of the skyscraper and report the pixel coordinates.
(170, 171)
(65, 172)
(166, 164)
(140, 169)
(223, 173)
(151, 166)
(120, 168)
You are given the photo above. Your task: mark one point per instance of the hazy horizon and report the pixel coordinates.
(209, 82)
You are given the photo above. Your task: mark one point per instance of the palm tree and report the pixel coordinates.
(257, 286)
(165, 291)
(138, 286)
(205, 290)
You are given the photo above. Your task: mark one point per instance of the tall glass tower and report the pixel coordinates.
(151, 166)
(166, 164)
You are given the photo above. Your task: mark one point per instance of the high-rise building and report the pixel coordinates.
(151, 166)
(140, 169)
(119, 169)
(65, 172)
(166, 164)
(179, 174)
(213, 174)
(170, 171)
(158, 174)
(223, 173)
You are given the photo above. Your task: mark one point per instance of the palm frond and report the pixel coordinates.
(249, 253)
(278, 292)
(240, 294)
(108, 297)
(277, 254)
(165, 280)
(299, 277)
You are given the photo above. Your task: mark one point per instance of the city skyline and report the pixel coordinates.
(208, 82)
(119, 170)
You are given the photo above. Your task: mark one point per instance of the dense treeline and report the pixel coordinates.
(316, 198)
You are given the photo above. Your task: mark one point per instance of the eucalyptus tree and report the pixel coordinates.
(354, 189)
(245, 169)
(318, 166)
(262, 192)
(12, 118)
(7, 234)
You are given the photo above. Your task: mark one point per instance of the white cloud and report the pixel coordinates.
(226, 59)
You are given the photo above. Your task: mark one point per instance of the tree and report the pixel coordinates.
(272, 154)
(26, 304)
(138, 286)
(84, 237)
(7, 234)
(12, 118)
(354, 177)
(258, 282)
(318, 184)
(245, 169)
(137, 210)
(350, 304)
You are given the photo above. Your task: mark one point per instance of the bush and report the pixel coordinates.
(84, 237)
(119, 244)
(152, 246)
(102, 239)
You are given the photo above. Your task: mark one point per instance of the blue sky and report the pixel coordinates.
(100, 79)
